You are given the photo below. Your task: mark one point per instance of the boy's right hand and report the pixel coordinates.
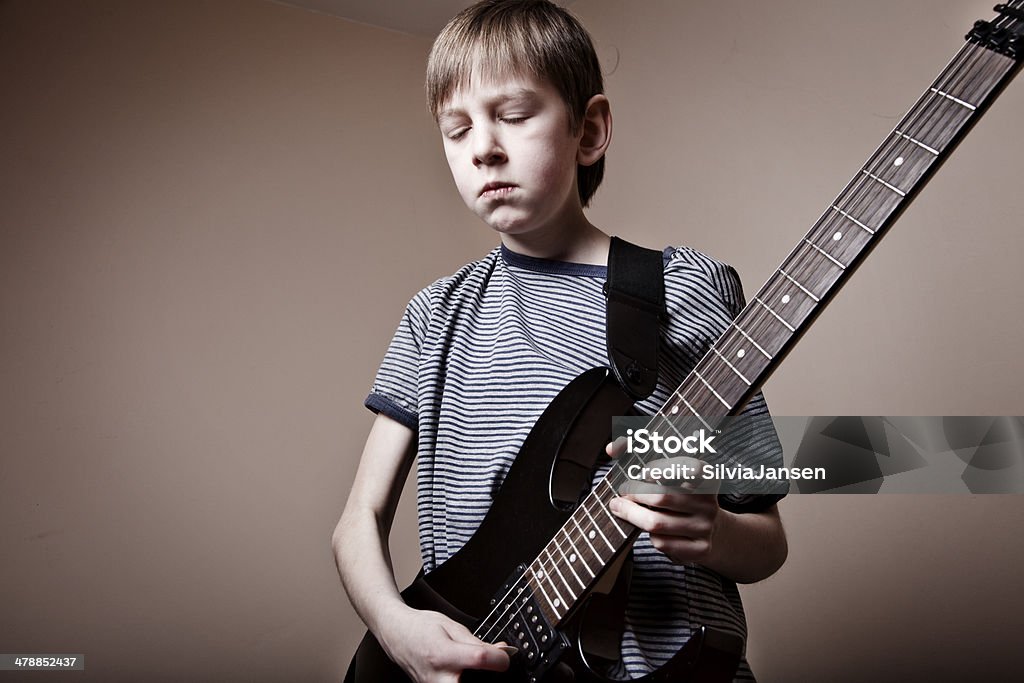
(431, 648)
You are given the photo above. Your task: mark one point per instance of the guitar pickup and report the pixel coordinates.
(525, 626)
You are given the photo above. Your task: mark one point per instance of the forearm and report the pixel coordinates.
(427, 645)
(747, 547)
(360, 540)
(364, 563)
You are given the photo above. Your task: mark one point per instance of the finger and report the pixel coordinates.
(482, 657)
(682, 550)
(659, 521)
(632, 487)
(675, 501)
(468, 648)
(616, 448)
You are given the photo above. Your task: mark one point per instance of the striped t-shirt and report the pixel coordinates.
(478, 356)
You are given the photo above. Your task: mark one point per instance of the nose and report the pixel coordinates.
(487, 149)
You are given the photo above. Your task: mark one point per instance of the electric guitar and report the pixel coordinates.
(529, 584)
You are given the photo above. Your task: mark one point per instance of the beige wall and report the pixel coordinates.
(213, 212)
(212, 215)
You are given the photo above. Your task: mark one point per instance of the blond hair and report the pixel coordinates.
(508, 37)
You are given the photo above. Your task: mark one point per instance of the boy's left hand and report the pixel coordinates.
(681, 518)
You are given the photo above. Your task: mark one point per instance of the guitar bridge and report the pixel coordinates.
(524, 625)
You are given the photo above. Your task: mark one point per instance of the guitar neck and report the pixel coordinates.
(785, 306)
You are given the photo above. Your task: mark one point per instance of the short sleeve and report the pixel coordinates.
(727, 282)
(394, 390)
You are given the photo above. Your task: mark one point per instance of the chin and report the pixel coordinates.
(508, 226)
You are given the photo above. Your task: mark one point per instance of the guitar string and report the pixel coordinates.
(618, 470)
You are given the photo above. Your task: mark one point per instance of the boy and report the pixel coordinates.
(516, 90)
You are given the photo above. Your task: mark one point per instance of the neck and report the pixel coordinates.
(573, 242)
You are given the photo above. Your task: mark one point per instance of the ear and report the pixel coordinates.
(597, 131)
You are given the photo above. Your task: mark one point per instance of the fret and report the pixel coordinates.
(777, 316)
(542, 574)
(800, 286)
(604, 497)
(604, 508)
(575, 553)
(754, 343)
(809, 266)
(852, 220)
(985, 70)
(788, 299)
(758, 324)
(618, 470)
(537, 586)
(884, 184)
(867, 202)
(844, 245)
(935, 121)
(741, 354)
(568, 563)
(954, 99)
(694, 412)
(808, 270)
(712, 390)
(701, 402)
(597, 527)
(673, 427)
(586, 537)
(824, 253)
(952, 79)
(901, 163)
(678, 403)
(731, 366)
(554, 565)
(727, 385)
(684, 425)
(917, 142)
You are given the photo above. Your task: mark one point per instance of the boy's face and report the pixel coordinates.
(511, 153)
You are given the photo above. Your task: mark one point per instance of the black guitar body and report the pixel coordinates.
(563, 445)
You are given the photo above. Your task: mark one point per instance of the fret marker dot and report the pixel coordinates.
(592, 534)
(898, 162)
(785, 298)
(540, 575)
(741, 353)
(557, 602)
(572, 557)
(675, 409)
(838, 236)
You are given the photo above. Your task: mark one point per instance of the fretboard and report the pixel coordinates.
(783, 309)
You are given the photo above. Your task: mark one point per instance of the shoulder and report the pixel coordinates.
(682, 261)
(461, 285)
(690, 272)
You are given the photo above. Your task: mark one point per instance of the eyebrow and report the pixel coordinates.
(499, 99)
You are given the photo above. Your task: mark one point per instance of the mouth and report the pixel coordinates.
(496, 189)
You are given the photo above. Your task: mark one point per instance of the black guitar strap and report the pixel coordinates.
(635, 303)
